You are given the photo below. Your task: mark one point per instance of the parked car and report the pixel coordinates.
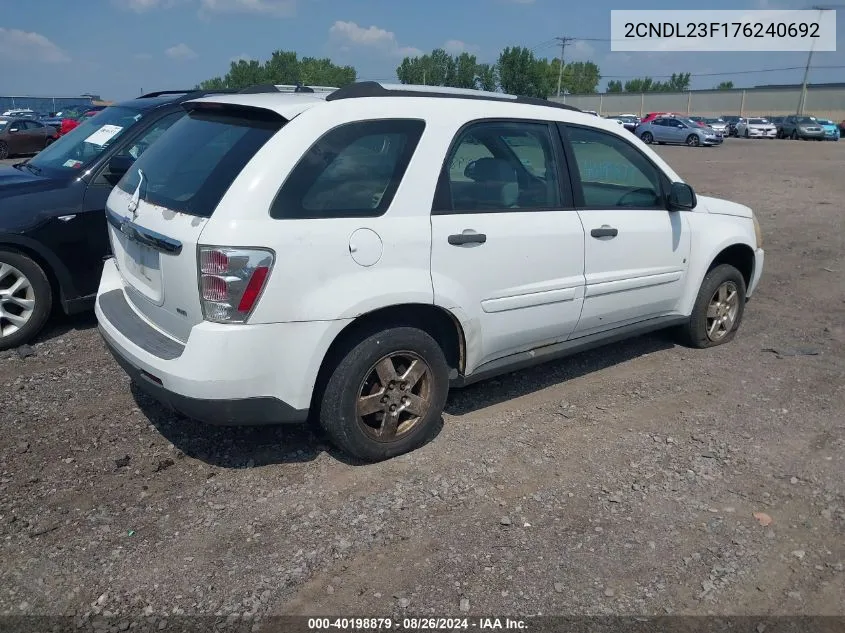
(831, 130)
(69, 123)
(677, 131)
(24, 113)
(756, 128)
(731, 121)
(257, 248)
(842, 128)
(24, 136)
(648, 118)
(52, 223)
(801, 127)
(700, 120)
(718, 124)
(629, 121)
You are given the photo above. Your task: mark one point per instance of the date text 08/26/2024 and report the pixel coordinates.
(415, 624)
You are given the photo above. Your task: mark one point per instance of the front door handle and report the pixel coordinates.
(605, 231)
(467, 238)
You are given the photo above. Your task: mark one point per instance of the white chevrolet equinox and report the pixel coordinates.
(354, 255)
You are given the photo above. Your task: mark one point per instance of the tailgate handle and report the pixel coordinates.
(139, 234)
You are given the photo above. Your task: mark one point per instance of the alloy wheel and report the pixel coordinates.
(394, 396)
(17, 300)
(722, 311)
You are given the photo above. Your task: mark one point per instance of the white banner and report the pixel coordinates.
(720, 31)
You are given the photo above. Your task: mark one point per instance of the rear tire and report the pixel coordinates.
(718, 309)
(386, 395)
(647, 138)
(26, 299)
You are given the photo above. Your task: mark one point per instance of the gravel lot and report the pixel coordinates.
(621, 481)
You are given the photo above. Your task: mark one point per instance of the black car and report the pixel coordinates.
(731, 121)
(53, 236)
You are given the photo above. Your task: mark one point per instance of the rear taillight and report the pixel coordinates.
(231, 281)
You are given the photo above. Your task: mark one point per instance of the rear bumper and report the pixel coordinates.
(222, 412)
(228, 374)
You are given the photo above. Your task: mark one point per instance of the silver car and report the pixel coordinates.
(677, 130)
(720, 125)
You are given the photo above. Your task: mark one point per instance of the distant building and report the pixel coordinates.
(45, 104)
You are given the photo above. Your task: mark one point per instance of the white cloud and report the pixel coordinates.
(29, 46)
(348, 35)
(142, 57)
(181, 51)
(456, 47)
(580, 50)
(278, 8)
(140, 6)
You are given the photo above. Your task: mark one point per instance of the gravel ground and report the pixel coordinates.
(645, 478)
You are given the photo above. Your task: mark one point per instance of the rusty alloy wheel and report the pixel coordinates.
(394, 396)
(722, 311)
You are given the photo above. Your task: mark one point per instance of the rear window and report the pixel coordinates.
(352, 171)
(193, 164)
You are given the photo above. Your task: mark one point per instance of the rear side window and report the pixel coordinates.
(193, 164)
(352, 171)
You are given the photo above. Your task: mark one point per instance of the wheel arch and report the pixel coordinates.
(439, 322)
(58, 276)
(740, 256)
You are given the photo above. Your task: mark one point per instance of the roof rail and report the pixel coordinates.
(364, 89)
(162, 93)
(296, 88)
(194, 93)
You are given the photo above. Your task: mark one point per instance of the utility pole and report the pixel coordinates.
(563, 42)
(802, 99)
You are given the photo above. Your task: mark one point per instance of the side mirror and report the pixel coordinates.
(469, 170)
(119, 165)
(681, 197)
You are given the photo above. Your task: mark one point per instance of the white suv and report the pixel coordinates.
(354, 255)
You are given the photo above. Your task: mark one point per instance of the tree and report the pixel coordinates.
(646, 84)
(487, 77)
(614, 85)
(520, 73)
(725, 85)
(677, 83)
(283, 67)
(466, 71)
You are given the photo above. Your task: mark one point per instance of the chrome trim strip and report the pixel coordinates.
(147, 237)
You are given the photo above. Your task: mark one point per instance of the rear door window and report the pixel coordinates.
(353, 171)
(193, 164)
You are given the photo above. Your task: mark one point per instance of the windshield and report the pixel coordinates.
(824, 122)
(192, 165)
(806, 119)
(757, 121)
(3, 123)
(714, 120)
(687, 122)
(88, 141)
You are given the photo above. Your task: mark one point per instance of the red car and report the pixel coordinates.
(653, 115)
(69, 124)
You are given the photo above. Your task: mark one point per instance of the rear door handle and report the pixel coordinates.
(467, 238)
(605, 231)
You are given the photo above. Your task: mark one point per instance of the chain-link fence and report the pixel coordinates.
(826, 102)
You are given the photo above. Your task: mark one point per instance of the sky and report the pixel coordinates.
(119, 48)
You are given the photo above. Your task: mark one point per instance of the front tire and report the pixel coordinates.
(25, 299)
(718, 309)
(693, 140)
(386, 396)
